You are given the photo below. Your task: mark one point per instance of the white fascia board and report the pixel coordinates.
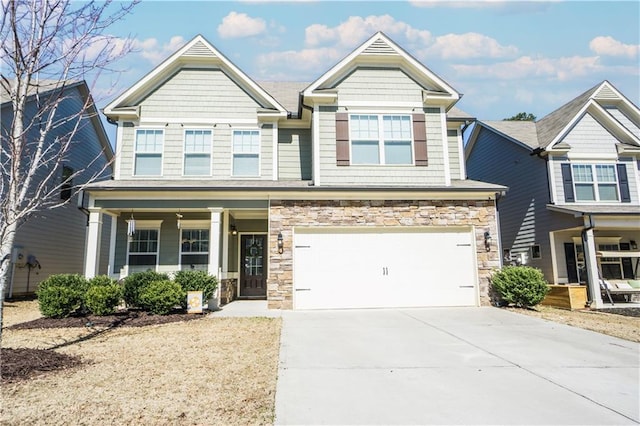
(175, 60)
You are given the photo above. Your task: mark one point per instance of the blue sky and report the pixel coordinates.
(503, 56)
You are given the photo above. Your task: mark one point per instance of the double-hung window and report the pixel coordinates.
(143, 250)
(595, 182)
(194, 249)
(246, 153)
(380, 139)
(148, 152)
(197, 152)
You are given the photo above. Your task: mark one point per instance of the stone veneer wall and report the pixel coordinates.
(287, 214)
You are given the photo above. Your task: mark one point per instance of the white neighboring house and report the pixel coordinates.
(52, 241)
(573, 207)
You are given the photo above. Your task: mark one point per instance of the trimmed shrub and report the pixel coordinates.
(57, 301)
(196, 281)
(160, 297)
(520, 285)
(134, 283)
(103, 299)
(61, 295)
(101, 280)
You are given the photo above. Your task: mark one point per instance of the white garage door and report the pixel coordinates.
(375, 268)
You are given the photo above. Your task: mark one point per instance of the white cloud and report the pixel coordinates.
(304, 61)
(468, 45)
(511, 7)
(151, 50)
(609, 46)
(357, 29)
(528, 67)
(237, 25)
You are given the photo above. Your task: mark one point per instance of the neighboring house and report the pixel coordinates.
(52, 241)
(574, 187)
(346, 192)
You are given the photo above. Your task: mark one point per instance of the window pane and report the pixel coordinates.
(197, 141)
(608, 192)
(245, 165)
(397, 127)
(149, 141)
(246, 141)
(364, 127)
(197, 165)
(397, 152)
(197, 262)
(584, 192)
(606, 173)
(582, 173)
(365, 152)
(148, 164)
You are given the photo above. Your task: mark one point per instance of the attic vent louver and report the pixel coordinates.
(606, 93)
(199, 49)
(379, 47)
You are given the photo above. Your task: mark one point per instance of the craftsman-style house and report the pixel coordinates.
(346, 192)
(573, 206)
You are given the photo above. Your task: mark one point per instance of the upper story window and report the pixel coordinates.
(197, 152)
(595, 182)
(148, 152)
(67, 182)
(246, 153)
(380, 139)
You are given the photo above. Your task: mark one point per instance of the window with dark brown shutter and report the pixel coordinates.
(419, 140)
(342, 139)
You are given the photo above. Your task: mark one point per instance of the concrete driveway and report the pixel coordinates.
(451, 366)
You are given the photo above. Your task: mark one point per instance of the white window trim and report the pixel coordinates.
(135, 151)
(595, 182)
(203, 225)
(381, 140)
(259, 153)
(147, 225)
(184, 152)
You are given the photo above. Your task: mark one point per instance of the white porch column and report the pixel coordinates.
(225, 243)
(92, 254)
(589, 246)
(214, 243)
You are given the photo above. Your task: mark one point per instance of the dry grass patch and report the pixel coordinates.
(623, 327)
(205, 371)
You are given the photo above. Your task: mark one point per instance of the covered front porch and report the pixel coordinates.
(226, 238)
(601, 254)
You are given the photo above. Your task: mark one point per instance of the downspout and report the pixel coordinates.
(81, 206)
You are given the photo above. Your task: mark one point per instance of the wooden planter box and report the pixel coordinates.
(566, 296)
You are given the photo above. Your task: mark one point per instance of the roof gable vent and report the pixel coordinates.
(199, 49)
(605, 92)
(379, 47)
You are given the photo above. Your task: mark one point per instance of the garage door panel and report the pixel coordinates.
(384, 269)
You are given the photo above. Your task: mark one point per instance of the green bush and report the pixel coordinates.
(103, 299)
(520, 285)
(196, 281)
(101, 280)
(160, 297)
(61, 295)
(134, 283)
(57, 301)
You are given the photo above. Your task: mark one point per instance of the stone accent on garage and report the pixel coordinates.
(287, 214)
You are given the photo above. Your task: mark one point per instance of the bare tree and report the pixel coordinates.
(48, 46)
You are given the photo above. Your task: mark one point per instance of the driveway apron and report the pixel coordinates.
(451, 366)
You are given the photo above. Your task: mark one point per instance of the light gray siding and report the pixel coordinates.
(193, 94)
(331, 174)
(524, 217)
(294, 154)
(454, 154)
(588, 136)
(379, 85)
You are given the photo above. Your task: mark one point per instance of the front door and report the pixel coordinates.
(252, 271)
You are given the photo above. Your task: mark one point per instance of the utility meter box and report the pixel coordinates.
(18, 257)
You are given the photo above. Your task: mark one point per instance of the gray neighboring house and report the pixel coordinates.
(52, 241)
(346, 192)
(573, 206)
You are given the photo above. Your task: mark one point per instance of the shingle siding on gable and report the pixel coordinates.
(589, 137)
(454, 154)
(379, 85)
(294, 154)
(199, 93)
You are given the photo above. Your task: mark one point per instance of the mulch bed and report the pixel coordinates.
(24, 364)
(627, 312)
(128, 318)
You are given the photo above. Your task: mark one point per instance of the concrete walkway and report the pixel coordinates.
(451, 366)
